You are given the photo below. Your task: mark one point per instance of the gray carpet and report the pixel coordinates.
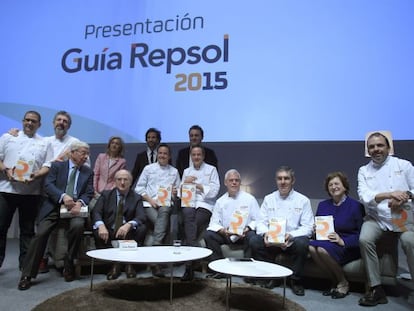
(153, 294)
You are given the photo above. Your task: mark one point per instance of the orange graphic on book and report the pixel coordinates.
(322, 228)
(276, 229)
(21, 171)
(164, 196)
(401, 221)
(235, 225)
(188, 195)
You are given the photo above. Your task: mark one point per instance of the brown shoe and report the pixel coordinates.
(114, 273)
(69, 271)
(43, 266)
(130, 271)
(24, 283)
(374, 297)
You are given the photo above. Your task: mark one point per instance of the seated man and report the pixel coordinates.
(233, 219)
(295, 209)
(119, 215)
(155, 179)
(69, 183)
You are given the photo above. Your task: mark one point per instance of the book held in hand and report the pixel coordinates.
(277, 231)
(238, 221)
(324, 226)
(164, 195)
(402, 218)
(188, 195)
(22, 169)
(64, 213)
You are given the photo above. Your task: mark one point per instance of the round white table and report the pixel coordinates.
(150, 255)
(250, 268)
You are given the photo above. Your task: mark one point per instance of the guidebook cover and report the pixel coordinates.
(324, 226)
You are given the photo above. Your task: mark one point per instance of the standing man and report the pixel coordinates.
(119, 215)
(234, 218)
(204, 178)
(385, 185)
(293, 207)
(69, 183)
(26, 150)
(196, 135)
(153, 139)
(155, 179)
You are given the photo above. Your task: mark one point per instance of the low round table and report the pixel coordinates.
(247, 267)
(149, 255)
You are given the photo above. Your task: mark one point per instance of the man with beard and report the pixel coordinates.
(385, 186)
(60, 143)
(149, 156)
(18, 191)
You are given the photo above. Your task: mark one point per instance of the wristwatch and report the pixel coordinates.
(410, 194)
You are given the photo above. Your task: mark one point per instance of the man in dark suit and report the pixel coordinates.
(119, 215)
(196, 135)
(153, 139)
(69, 184)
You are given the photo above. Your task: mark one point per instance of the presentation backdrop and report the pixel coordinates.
(265, 70)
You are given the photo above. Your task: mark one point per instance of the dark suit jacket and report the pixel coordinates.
(140, 162)
(55, 186)
(184, 158)
(105, 208)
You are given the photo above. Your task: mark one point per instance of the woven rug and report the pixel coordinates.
(154, 294)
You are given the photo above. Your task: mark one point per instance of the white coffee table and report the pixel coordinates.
(150, 255)
(253, 269)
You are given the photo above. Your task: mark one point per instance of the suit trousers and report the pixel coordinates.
(27, 206)
(134, 234)
(74, 228)
(371, 232)
(298, 251)
(160, 217)
(195, 221)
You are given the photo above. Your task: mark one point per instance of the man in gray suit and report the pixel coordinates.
(131, 223)
(69, 183)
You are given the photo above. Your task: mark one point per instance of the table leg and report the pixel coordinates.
(171, 282)
(284, 292)
(92, 263)
(228, 291)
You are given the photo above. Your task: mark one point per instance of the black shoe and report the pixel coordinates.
(130, 271)
(270, 284)
(24, 283)
(43, 266)
(216, 275)
(338, 295)
(156, 271)
(374, 297)
(69, 272)
(114, 273)
(297, 288)
(329, 292)
(188, 275)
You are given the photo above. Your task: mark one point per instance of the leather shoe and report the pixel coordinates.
(130, 271)
(297, 288)
(156, 271)
(188, 275)
(329, 292)
(374, 297)
(43, 266)
(270, 284)
(69, 271)
(114, 273)
(24, 283)
(216, 275)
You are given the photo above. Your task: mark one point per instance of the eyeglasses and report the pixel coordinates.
(30, 120)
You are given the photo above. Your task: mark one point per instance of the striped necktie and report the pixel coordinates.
(70, 187)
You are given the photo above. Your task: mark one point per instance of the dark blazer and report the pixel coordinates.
(184, 158)
(55, 186)
(140, 162)
(105, 208)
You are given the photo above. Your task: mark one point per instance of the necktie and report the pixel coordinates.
(119, 213)
(70, 187)
(152, 156)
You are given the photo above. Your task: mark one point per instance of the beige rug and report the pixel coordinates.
(154, 294)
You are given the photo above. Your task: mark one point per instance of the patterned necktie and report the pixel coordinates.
(70, 187)
(119, 213)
